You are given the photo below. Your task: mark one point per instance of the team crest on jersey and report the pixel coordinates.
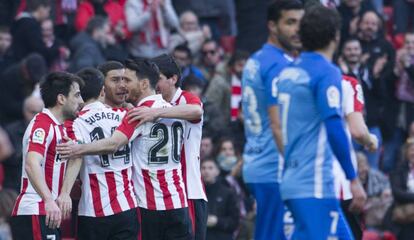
(38, 136)
(332, 93)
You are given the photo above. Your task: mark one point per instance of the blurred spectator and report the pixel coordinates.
(190, 33)
(378, 190)
(402, 184)
(210, 60)
(59, 64)
(7, 199)
(236, 130)
(207, 146)
(13, 164)
(223, 212)
(27, 32)
(5, 43)
(225, 90)
(151, 23)
(6, 149)
(193, 84)
(219, 15)
(8, 11)
(184, 59)
(351, 11)
(18, 82)
(112, 9)
(403, 15)
(88, 46)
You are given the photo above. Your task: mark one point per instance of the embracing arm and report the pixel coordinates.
(359, 131)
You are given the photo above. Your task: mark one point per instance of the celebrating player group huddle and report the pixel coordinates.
(127, 163)
(140, 168)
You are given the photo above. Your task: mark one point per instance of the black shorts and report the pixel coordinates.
(123, 225)
(165, 225)
(26, 227)
(354, 220)
(197, 209)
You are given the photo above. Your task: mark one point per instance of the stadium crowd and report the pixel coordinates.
(211, 40)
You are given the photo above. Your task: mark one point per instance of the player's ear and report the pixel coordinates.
(272, 26)
(61, 99)
(174, 79)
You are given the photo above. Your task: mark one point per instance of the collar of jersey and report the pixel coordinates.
(96, 104)
(149, 98)
(50, 114)
(176, 96)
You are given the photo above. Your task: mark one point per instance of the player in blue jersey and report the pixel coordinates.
(309, 92)
(262, 167)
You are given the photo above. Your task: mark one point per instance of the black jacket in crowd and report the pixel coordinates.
(27, 38)
(222, 202)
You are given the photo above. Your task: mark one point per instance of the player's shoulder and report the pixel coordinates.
(189, 98)
(351, 80)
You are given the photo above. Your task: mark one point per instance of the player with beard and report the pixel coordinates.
(107, 207)
(36, 214)
(156, 149)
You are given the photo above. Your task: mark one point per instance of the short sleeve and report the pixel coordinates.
(194, 100)
(38, 137)
(270, 81)
(128, 128)
(328, 94)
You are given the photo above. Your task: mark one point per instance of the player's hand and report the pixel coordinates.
(68, 149)
(373, 145)
(143, 115)
(65, 204)
(358, 196)
(53, 214)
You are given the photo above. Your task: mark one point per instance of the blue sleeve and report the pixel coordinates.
(340, 145)
(270, 80)
(328, 94)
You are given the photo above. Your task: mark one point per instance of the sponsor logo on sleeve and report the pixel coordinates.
(333, 96)
(38, 136)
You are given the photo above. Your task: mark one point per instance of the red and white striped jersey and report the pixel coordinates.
(352, 101)
(190, 157)
(156, 149)
(107, 187)
(41, 136)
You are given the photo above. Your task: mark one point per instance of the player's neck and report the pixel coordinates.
(57, 113)
(144, 95)
(274, 42)
(170, 97)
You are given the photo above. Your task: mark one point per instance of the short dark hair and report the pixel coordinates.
(168, 67)
(237, 56)
(93, 80)
(211, 159)
(96, 22)
(319, 27)
(109, 66)
(144, 69)
(192, 81)
(33, 5)
(274, 11)
(184, 48)
(56, 83)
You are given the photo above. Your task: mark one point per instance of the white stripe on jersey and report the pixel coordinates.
(319, 163)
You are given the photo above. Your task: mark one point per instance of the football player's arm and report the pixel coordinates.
(274, 116)
(101, 147)
(359, 131)
(64, 201)
(37, 179)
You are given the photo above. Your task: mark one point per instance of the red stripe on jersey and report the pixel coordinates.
(36, 230)
(127, 192)
(96, 195)
(149, 190)
(184, 168)
(191, 213)
(177, 185)
(50, 162)
(69, 129)
(110, 180)
(61, 174)
(42, 210)
(24, 188)
(148, 103)
(41, 125)
(236, 90)
(164, 188)
(190, 99)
